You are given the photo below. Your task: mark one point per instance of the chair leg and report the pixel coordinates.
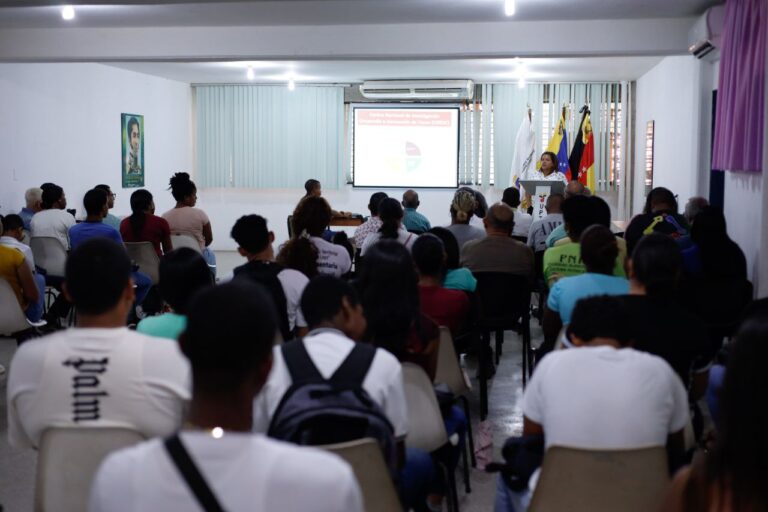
(453, 494)
(465, 467)
(499, 343)
(470, 436)
(527, 363)
(483, 374)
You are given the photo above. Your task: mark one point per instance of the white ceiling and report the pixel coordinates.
(481, 70)
(142, 13)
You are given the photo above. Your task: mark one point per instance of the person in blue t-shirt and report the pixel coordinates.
(598, 253)
(96, 208)
(413, 221)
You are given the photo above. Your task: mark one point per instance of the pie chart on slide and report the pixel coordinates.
(412, 156)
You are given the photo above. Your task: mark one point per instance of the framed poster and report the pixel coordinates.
(132, 127)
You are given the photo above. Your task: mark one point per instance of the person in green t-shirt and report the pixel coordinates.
(182, 273)
(579, 212)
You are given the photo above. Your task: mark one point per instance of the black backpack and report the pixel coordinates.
(265, 273)
(315, 411)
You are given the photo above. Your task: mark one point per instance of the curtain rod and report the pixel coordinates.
(269, 84)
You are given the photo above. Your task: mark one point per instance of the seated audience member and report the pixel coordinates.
(463, 206)
(310, 219)
(598, 252)
(183, 273)
(12, 229)
(481, 205)
(732, 474)
(413, 220)
(110, 219)
(53, 220)
(373, 223)
(573, 188)
(33, 199)
(523, 221)
(391, 215)
(15, 270)
(285, 285)
(456, 276)
(389, 293)
(636, 396)
(693, 207)
(542, 228)
(95, 203)
(713, 255)
(659, 216)
(185, 219)
(498, 252)
(660, 322)
(99, 373)
(563, 260)
(229, 346)
(336, 322)
(144, 226)
(443, 306)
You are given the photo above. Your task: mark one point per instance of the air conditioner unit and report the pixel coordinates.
(705, 35)
(418, 89)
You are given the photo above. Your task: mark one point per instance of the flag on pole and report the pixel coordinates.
(525, 149)
(558, 144)
(578, 145)
(587, 161)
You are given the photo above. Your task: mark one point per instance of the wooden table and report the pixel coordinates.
(346, 221)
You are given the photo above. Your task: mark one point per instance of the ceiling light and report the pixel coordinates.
(68, 12)
(509, 7)
(291, 84)
(250, 74)
(521, 83)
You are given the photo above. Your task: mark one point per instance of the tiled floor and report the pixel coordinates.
(17, 467)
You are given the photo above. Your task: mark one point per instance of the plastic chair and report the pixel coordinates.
(505, 301)
(449, 372)
(588, 480)
(371, 472)
(67, 463)
(179, 240)
(12, 318)
(144, 255)
(426, 430)
(50, 254)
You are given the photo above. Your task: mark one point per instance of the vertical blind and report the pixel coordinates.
(254, 136)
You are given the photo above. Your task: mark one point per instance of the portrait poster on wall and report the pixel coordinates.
(132, 126)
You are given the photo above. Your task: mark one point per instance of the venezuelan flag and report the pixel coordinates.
(558, 144)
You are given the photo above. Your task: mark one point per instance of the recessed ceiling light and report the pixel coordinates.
(509, 7)
(250, 74)
(521, 83)
(291, 84)
(68, 12)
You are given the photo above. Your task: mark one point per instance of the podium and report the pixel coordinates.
(540, 190)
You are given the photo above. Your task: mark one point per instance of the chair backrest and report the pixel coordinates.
(448, 369)
(426, 430)
(50, 254)
(503, 296)
(67, 463)
(364, 455)
(290, 226)
(180, 240)
(144, 255)
(12, 318)
(588, 480)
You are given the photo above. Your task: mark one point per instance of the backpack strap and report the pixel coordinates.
(299, 363)
(192, 475)
(355, 367)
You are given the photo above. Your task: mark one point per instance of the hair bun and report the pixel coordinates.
(180, 177)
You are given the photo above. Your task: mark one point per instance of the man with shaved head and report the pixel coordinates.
(498, 251)
(413, 221)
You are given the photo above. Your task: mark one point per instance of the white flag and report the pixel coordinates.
(525, 148)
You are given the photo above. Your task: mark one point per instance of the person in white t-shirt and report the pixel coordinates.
(391, 215)
(53, 220)
(602, 394)
(254, 242)
(523, 220)
(99, 373)
(310, 220)
(228, 342)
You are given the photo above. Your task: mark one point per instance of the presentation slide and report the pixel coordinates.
(406, 147)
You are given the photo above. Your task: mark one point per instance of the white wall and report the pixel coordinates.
(61, 123)
(676, 94)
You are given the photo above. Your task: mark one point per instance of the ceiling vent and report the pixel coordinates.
(423, 90)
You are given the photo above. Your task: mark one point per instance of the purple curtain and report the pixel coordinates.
(738, 143)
